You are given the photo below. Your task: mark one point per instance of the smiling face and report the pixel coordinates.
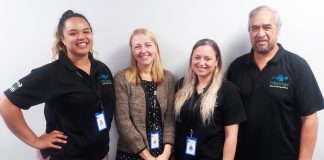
(77, 37)
(204, 61)
(144, 50)
(263, 31)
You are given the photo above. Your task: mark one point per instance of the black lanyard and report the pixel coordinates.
(146, 92)
(194, 102)
(97, 93)
(155, 101)
(154, 93)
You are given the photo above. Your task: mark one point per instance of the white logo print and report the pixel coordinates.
(15, 86)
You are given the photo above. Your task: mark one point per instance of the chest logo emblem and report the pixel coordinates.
(104, 79)
(280, 81)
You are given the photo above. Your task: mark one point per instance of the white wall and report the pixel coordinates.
(27, 29)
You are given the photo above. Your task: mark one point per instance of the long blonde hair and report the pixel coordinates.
(208, 101)
(132, 75)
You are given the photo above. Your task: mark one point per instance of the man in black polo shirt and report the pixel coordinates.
(280, 94)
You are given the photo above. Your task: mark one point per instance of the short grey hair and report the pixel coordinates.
(265, 7)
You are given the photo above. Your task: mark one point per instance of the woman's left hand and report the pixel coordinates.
(163, 157)
(166, 153)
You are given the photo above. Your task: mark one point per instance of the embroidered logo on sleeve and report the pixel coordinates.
(15, 86)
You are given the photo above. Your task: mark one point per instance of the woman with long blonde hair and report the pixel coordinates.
(144, 103)
(207, 108)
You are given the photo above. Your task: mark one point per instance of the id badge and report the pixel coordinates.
(155, 140)
(101, 121)
(191, 146)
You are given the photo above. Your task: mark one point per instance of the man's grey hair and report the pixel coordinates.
(264, 7)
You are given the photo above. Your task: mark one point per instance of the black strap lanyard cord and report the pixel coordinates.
(97, 93)
(146, 92)
(155, 101)
(194, 101)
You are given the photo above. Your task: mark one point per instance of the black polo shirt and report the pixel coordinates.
(70, 105)
(275, 99)
(229, 110)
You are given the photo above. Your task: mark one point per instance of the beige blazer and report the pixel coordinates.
(130, 112)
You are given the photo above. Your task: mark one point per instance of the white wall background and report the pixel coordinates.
(27, 27)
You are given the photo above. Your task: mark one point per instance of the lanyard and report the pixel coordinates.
(194, 101)
(155, 105)
(146, 92)
(99, 104)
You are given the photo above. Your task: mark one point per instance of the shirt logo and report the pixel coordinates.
(104, 79)
(15, 86)
(279, 82)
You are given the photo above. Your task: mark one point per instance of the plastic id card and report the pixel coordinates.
(191, 146)
(155, 140)
(101, 121)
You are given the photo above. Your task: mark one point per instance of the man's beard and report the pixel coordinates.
(263, 50)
